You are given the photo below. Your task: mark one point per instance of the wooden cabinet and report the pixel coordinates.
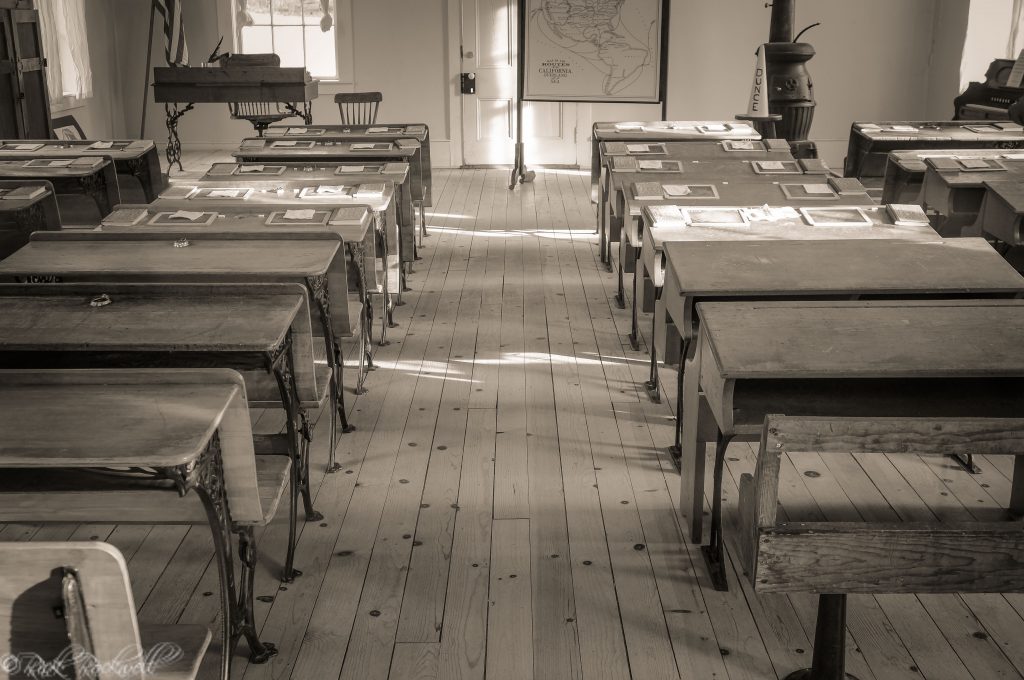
(24, 102)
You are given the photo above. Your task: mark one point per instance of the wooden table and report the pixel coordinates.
(314, 259)
(185, 432)
(407, 150)
(361, 133)
(132, 157)
(840, 359)
(326, 172)
(662, 131)
(269, 200)
(56, 326)
(771, 223)
(22, 214)
(92, 176)
(616, 158)
(871, 143)
(904, 170)
(955, 190)
(1002, 213)
(839, 192)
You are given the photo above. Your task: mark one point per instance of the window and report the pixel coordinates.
(292, 29)
(66, 48)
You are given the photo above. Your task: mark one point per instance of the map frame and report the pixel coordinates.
(528, 89)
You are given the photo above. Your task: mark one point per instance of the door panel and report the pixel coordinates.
(488, 117)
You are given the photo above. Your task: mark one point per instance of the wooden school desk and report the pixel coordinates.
(662, 131)
(357, 238)
(362, 133)
(955, 187)
(623, 157)
(748, 270)
(404, 150)
(769, 224)
(325, 173)
(1002, 213)
(904, 170)
(816, 192)
(135, 158)
(92, 176)
(949, 358)
(269, 341)
(25, 206)
(316, 260)
(758, 171)
(276, 200)
(185, 434)
(871, 143)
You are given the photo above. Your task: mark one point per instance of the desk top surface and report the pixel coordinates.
(292, 193)
(720, 171)
(747, 268)
(147, 321)
(10, 204)
(879, 339)
(743, 149)
(276, 257)
(966, 131)
(71, 424)
(914, 160)
(1011, 193)
(678, 130)
(396, 171)
(789, 224)
(782, 193)
(64, 148)
(1010, 171)
(418, 131)
(83, 166)
(316, 148)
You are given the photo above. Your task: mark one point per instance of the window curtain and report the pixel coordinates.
(66, 48)
(1016, 40)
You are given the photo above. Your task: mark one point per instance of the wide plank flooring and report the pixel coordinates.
(506, 509)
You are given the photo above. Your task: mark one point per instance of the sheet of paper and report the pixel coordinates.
(363, 146)
(783, 213)
(714, 127)
(60, 163)
(331, 189)
(649, 165)
(903, 128)
(637, 148)
(1013, 156)
(629, 126)
(376, 130)
(250, 168)
(742, 145)
(101, 145)
(296, 131)
(677, 190)
(27, 147)
(189, 215)
(225, 193)
(973, 163)
(351, 168)
(772, 165)
(818, 189)
(299, 214)
(280, 144)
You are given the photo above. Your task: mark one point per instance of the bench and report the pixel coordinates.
(144, 446)
(833, 559)
(95, 177)
(25, 206)
(86, 585)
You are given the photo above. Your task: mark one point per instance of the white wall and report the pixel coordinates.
(877, 59)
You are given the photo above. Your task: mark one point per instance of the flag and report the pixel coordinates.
(174, 34)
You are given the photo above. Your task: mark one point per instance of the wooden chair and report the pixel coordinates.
(358, 108)
(261, 114)
(87, 583)
(833, 559)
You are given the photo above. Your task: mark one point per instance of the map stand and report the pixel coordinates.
(520, 175)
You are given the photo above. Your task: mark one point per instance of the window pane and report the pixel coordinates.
(313, 11)
(257, 40)
(259, 10)
(288, 41)
(287, 12)
(321, 58)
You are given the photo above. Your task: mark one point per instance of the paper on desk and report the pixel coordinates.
(295, 131)
(280, 144)
(637, 148)
(27, 147)
(250, 168)
(60, 163)
(974, 163)
(189, 215)
(772, 165)
(784, 213)
(376, 130)
(677, 190)
(364, 145)
(818, 189)
(1013, 156)
(328, 189)
(714, 128)
(299, 214)
(224, 193)
(629, 126)
(351, 168)
(742, 145)
(903, 128)
(649, 165)
(100, 145)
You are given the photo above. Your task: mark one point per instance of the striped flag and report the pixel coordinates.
(174, 33)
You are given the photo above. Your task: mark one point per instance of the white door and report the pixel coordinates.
(489, 43)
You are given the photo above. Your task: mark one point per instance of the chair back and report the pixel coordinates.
(358, 108)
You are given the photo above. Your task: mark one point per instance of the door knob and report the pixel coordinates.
(468, 83)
